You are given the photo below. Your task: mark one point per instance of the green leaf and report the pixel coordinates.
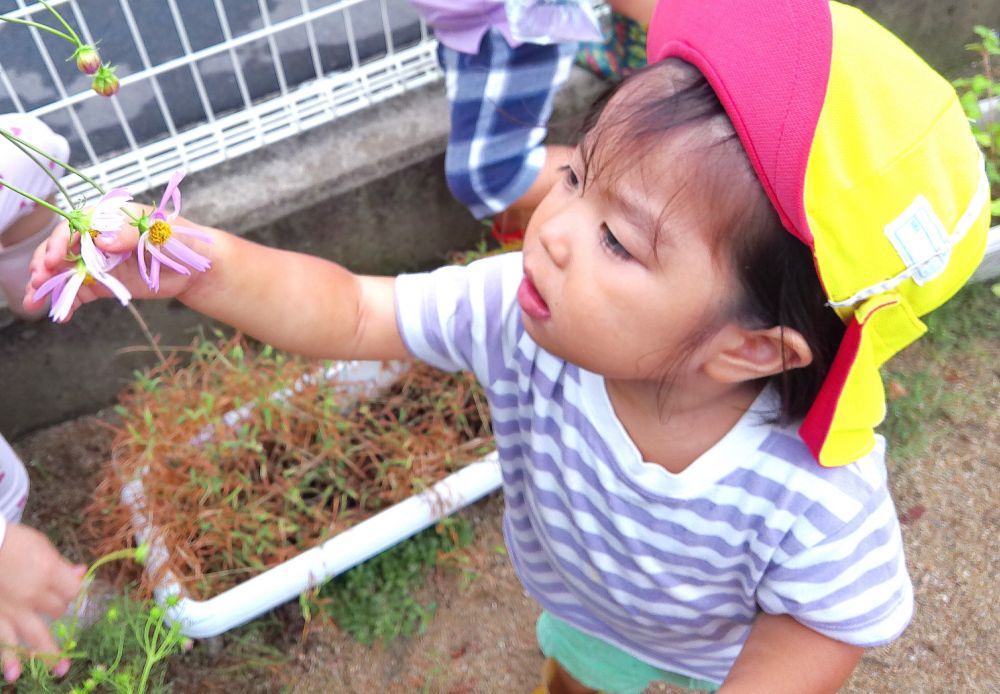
(970, 104)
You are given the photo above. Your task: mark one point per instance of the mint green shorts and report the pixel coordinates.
(599, 665)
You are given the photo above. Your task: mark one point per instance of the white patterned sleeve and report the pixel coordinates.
(460, 317)
(851, 584)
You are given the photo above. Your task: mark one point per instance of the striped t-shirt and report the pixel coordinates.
(671, 568)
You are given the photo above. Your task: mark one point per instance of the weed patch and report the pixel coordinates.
(230, 497)
(923, 396)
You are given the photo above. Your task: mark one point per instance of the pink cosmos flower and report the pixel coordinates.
(66, 285)
(157, 238)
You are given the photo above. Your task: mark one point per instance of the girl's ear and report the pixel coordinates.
(744, 354)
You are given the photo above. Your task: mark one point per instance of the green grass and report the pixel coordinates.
(922, 400)
(110, 656)
(378, 600)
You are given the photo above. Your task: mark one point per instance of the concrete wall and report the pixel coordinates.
(366, 191)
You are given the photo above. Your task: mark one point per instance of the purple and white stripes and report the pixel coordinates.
(669, 567)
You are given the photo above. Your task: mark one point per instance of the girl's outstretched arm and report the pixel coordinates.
(297, 302)
(781, 656)
(292, 301)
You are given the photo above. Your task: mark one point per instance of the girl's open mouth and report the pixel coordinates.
(531, 301)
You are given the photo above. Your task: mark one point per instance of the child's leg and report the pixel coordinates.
(584, 663)
(555, 680)
(23, 224)
(500, 101)
(513, 220)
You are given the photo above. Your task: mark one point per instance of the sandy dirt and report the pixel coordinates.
(482, 636)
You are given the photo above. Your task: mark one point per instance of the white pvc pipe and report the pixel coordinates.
(240, 604)
(279, 584)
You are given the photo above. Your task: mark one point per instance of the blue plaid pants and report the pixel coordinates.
(501, 100)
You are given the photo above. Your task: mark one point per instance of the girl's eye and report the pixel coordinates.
(613, 244)
(570, 176)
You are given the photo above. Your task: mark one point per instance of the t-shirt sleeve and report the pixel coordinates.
(462, 317)
(852, 584)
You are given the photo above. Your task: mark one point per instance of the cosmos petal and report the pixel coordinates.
(195, 260)
(116, 287)
(93, 258)
(167, 260)
(51, 283)
(62, 305)
(141, 261)
(186, 231)
(154, 273)
(172, 194)
(107, 215)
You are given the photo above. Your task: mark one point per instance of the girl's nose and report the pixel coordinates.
(556, 238)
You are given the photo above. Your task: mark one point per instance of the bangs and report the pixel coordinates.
(665, 122)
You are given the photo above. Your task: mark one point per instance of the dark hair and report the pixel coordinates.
(774, 269)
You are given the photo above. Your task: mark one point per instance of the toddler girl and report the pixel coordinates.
(682, 365)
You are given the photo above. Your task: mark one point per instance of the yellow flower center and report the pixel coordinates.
(159, 232)
(88, 279)
(94, 233)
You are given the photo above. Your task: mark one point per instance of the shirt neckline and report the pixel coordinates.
(650, 479)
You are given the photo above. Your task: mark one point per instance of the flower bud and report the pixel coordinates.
(142, 553)
(105, 81)
(87, 59)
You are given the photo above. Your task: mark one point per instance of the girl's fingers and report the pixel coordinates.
(36, 635)
(67, 580)
(51, 604)
(56, 247)
(125, 239)
(8, 656)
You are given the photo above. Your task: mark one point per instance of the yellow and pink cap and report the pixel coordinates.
(869, 160)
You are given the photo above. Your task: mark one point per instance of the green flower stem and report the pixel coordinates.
(31, 197)
(62, 21)
(43, 27)
(87, 577)
(146, 672)
(63, 164)
(156, 644)
(17, 142)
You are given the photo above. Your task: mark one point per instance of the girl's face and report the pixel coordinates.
(620, 274)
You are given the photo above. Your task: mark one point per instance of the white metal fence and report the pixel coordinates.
(206, 80)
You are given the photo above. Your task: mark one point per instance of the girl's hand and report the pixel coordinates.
(35, 582)
(50, 259)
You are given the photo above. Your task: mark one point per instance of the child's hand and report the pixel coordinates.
(50, 260)
(35, 582)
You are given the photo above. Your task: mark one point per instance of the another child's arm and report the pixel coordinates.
(35, 582)
(292, 301)
(782, 656)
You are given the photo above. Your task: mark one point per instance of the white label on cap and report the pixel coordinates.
(921, 240)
